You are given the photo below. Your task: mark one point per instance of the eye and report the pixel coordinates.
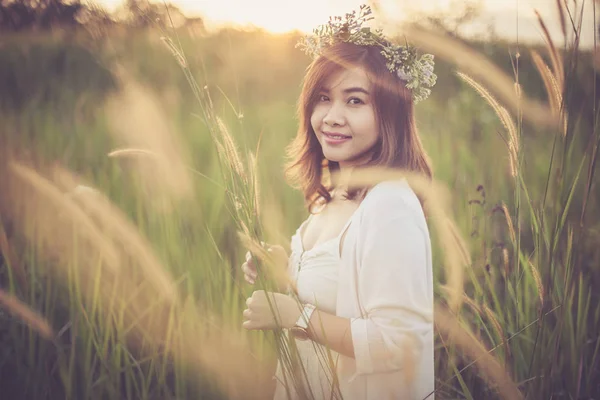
(322, 97)
(355, 100)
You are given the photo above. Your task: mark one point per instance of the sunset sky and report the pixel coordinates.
(285, 15)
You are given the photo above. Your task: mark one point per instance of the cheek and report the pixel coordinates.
(374, 126)
(376, 132)
(368, 125)
(315, 118)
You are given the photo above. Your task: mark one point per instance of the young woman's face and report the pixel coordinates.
(343, 118)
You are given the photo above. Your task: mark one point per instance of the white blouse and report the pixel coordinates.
(383, 282)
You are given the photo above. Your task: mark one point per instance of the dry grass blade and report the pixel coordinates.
(509, 223)
(553, 89)
(498, 328)
(482, 69)
(435, 199)
(59, 228)
(512, 159)
(231, 152)
(561, 14)
(557, 65)
(503, 115)
(274, 269)
(214, 348)
(179, 56)
(117, 227)
(506, 261)
(26, 314)
(475, 308)
(132, 152)
(274, 220)
(253, 247)
(538, 282)
(137, 119)
(500, 111)
(147, 310)
(253, 168)
(511, 229)
(472, 305)
(47, 191)
(550, 83)
(450, 328)
(408, 345)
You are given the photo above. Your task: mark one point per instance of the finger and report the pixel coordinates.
(249, 279)
(248, 255)
(248, 325)
(247, 314)
(249, 301)
(246, 269)
(249, 271)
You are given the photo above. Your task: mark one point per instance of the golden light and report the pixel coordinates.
(285, 15)
(273, 15)
(507, 17)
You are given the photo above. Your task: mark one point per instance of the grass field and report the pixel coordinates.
(136, 290)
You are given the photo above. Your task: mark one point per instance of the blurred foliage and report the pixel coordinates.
(51, 15)
(52, 105)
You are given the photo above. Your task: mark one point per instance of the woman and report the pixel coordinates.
(361, 262)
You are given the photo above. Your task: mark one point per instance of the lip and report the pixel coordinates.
(328, 136)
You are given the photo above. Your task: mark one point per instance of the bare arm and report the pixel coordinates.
(332, 331)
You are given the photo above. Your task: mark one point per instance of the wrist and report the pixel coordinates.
(301, 328)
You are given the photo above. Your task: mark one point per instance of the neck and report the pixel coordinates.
(346, 168)
(342, 179)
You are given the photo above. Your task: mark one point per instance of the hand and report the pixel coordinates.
(258, 315)
(278, 253)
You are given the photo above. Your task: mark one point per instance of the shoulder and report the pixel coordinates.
(391, 200)
(392, 223)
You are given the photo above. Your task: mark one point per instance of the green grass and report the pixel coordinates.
(552, 347)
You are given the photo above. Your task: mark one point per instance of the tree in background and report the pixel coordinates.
(28, 15)
(45, 15)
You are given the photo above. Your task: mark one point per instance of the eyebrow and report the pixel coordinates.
(350, 90)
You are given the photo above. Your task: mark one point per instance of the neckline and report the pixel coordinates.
(300, 231)
(322, 244)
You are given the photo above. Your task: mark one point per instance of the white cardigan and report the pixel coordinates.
(386, 288)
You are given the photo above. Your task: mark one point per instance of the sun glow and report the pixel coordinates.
(284, 15)
(273, 15)
(277, 16)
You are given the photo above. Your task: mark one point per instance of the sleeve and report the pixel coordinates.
(395, 289)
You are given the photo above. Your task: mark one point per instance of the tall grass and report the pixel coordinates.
(551, 265)
(136, 286)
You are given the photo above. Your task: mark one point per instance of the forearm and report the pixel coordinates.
(332, 331)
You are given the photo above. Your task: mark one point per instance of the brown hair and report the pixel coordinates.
(399, 145)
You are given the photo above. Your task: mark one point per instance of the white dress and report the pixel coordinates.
(315, 272)
(382, 282)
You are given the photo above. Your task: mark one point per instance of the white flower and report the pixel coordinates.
(402, 75)
(416, 73)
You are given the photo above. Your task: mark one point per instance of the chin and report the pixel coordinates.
(335, 157)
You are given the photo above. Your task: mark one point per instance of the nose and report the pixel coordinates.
(334, 116)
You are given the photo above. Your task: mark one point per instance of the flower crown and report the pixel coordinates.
(403, 61)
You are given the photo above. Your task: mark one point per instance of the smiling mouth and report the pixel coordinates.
(336, 136)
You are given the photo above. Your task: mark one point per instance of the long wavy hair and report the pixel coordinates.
(399, 145)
